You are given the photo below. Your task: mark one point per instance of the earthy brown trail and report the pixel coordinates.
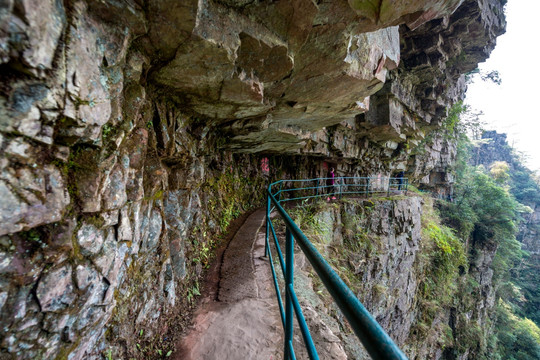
(242, 321)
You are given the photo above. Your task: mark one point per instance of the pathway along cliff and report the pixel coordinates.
(240, 320)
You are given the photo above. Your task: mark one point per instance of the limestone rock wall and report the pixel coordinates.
(386, 238)
(126, 252)
(412, 103)
(132, 132)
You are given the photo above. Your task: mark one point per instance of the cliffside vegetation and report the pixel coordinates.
(488, 210)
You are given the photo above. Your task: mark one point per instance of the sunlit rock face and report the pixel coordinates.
(123, 124)
(412, 13)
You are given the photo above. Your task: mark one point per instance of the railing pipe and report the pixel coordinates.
(310, 346)
(276, 287)
(278, 249)
(291, 350)
(266, 240)
(289, 279)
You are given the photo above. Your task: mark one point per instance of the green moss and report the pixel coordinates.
(77, 101)
(107, 130)
(158, 195)
(95, 220)
(66, 350)
(76, 248)
(367, 8)
(456, 61)
(231, 194)
(31, 235)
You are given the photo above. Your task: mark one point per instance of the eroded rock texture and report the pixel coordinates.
(387, 244)
(131, 133)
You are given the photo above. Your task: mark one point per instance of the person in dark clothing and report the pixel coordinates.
(400, 179)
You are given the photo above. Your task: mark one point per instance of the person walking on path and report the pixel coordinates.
(330, 183)
(400, 179)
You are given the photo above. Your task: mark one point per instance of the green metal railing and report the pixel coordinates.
(376, 341)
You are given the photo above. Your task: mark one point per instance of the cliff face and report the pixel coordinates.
(133, 132)
(522, 185)
(525, 188)
(381, 249)
(374, 245)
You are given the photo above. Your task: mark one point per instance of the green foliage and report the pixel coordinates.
(499, 171)
(486, 212)
(443, 253)
(524, 186)
(31, 235)
(107, 131)
(519, 339)
(203, 252)
(306, 216)
(444, 238)
(486, 76)
(492, 76)
(194, 291)
(526, 279)
(232, 194)
(470, 336)
(451, 123)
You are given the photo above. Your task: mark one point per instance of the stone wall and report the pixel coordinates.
(134, 240)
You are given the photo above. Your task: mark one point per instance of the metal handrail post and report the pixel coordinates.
(340, 187)
(389, 182)
(367, 188)
(289, 280)
(266, 242)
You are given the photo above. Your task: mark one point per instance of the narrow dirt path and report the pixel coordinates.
(242, 320)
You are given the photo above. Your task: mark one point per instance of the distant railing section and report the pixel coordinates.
(320, 187)
(376, 341)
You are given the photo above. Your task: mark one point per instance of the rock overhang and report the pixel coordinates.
(258, 63)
